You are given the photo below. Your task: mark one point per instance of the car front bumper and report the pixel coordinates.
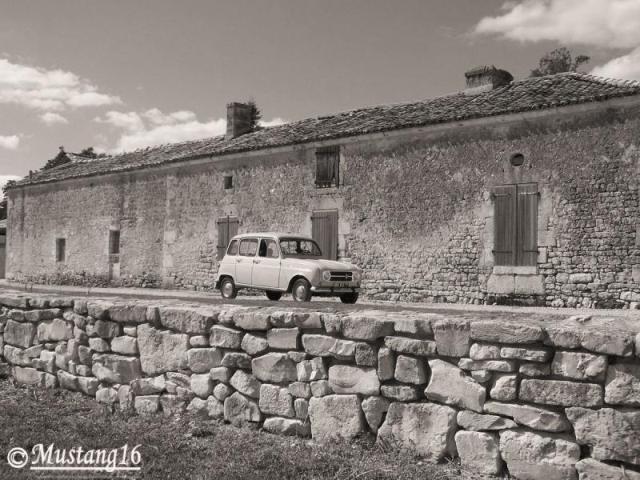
(334, 290)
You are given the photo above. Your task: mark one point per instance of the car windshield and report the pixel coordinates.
(299, 247)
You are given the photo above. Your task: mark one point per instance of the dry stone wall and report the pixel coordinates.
(541, 400)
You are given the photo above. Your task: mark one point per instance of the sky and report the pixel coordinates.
(124, 74)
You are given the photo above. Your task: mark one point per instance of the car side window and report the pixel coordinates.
(233, 248)
(248, 247)
(268, 249)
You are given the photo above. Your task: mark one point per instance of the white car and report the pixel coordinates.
(281, 263)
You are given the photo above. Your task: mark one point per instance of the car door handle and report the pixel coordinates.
(256, 261)
(238, 259)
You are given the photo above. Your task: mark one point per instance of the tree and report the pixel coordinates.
(60, 159)
(256, 115)
(558, 61)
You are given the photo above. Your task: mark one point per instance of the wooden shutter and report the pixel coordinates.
(527, 225)
(504, 208)
(227, 229)
(324, 230)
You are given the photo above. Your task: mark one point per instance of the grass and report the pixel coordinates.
(191, 447)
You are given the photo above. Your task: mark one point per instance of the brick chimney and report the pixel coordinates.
(238, 119)
(484, 79)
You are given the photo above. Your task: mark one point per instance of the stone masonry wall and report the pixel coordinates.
(554, 399)
(415, 212)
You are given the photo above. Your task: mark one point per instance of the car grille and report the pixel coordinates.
(341, 276)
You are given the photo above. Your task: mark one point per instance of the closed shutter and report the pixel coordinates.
(324, 230)
(527, 225)
(227, 229)
(504, 225)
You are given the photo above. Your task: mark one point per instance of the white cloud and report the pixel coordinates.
(49, 90)
(9, 142)
(626, 67)
(603, 23)
(153, 127)
(5, 178)
(274, 122)
(52, 118)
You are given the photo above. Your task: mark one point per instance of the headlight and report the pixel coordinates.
(326, 275)
(357, 276)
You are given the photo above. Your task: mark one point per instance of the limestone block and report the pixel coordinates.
(578, 365)
(400, 393)
(128, 313)
(19, 334)
(225, 337)
(300, 389)
(246, 384)
(483, 351)
(197, 341)
(610, 341)
(108, 395)
(40, 315)
(148, 385)
(374, 409)
(350, 379)
(103, 329)
(125, 345)
(477, 421)
(236, 360)
(590, 469)
(115, 368)
(162, 351)
(481, 376)
(99, 345)
(504, 388)
(320, 388)
(410, 370)
(195, 321)
(366, 326)
(239, 409)
(611, 434)
(325, 346)
(499, 331)
(287, 426)
(479, 452)
(173, 404)
(197, 406)
(452, 337)
(561, 393)
(201, 360)
(386, 364)
(253, 344)
(335, 417)
(222, 391)
(283, 338)
(201, 385)
(301, 406)
(623, 385)
(216, 409)
(147, 405)
(450, 385)
(411, 346)
(425, 429)
(311, 370)
(67, 381)
(530, 416)
(491, 365)
(275, 368)
(220, 374)
(276, 400)
(252, 320)
(535, 369)
(418, 326)
(98, 309)
(527, 354)
(532, 456)
(17, 356)
(298, 356)
(88, 385)
(366, 355)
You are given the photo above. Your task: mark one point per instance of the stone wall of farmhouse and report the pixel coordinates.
(415, 211)
(552, 399)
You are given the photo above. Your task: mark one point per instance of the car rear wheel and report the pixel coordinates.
(301, 290)
(349, 297)
(275, 296)
(228, 289)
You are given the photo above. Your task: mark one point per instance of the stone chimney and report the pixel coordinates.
(485, 79)
(238, 119)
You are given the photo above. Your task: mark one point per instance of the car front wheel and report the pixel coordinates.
(274, 296)
(228, 289)
(349, 297)
(301, 290)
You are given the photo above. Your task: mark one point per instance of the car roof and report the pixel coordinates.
(275, 235)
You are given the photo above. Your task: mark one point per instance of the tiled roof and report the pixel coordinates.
(518, 96)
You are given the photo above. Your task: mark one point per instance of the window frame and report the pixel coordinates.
(328, 157)
(247, 240)
(275, 242)
(61, 250)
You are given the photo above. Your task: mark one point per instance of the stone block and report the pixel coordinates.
(116, 368)
(482, 351)
(452, 337)
(125, 345)
(490, 365)
(194, 321)
(320, 388)
(287, 426)
(201, 360)
(222, 391)
(411, 346)
(253, 344)
(366, 355)
(410, 370)
(276, 400)
(19, 334)
(311, 370)
(162, 351)
(301, 406)
(274, 368)
(561, 393)
(67, 381)
(173, 404)
(88, 385)
(425, 429)
(41, 315)
(622, 386)
(220, 374)
(532, 456)
(246, 384)
(347, 379)
(500, 331)
(215, 409)
(479, 452)
(225, 337)
(400, 393)
(239, 409)
(283, 338)
(108, 395)
(449, 384)
(196, 341)
(300, 389)
(418, 326)
(610, 341)
(374, 409)
(201, 385)
(103, 329)
(386, 364)
(128, 313)
(478, 422)
(590, 469)
(99, 345)
(325, 346)
(528, 285)
(579, 365)
(611, 434)
(236, 360)
(98, 309)
(527, 354)
(335, 417)
(147, 405)
(530, 416)
(535, 369)
(504, 388)
(252, 320)
(366, 326)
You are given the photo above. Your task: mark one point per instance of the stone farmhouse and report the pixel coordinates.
(507, 191)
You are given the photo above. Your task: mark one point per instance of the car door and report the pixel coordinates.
(244, 260)
(266, 266)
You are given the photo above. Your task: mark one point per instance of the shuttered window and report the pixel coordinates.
(324, 230)
(516, 224)
(328, 167)
(61, 249)
(227, 229)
